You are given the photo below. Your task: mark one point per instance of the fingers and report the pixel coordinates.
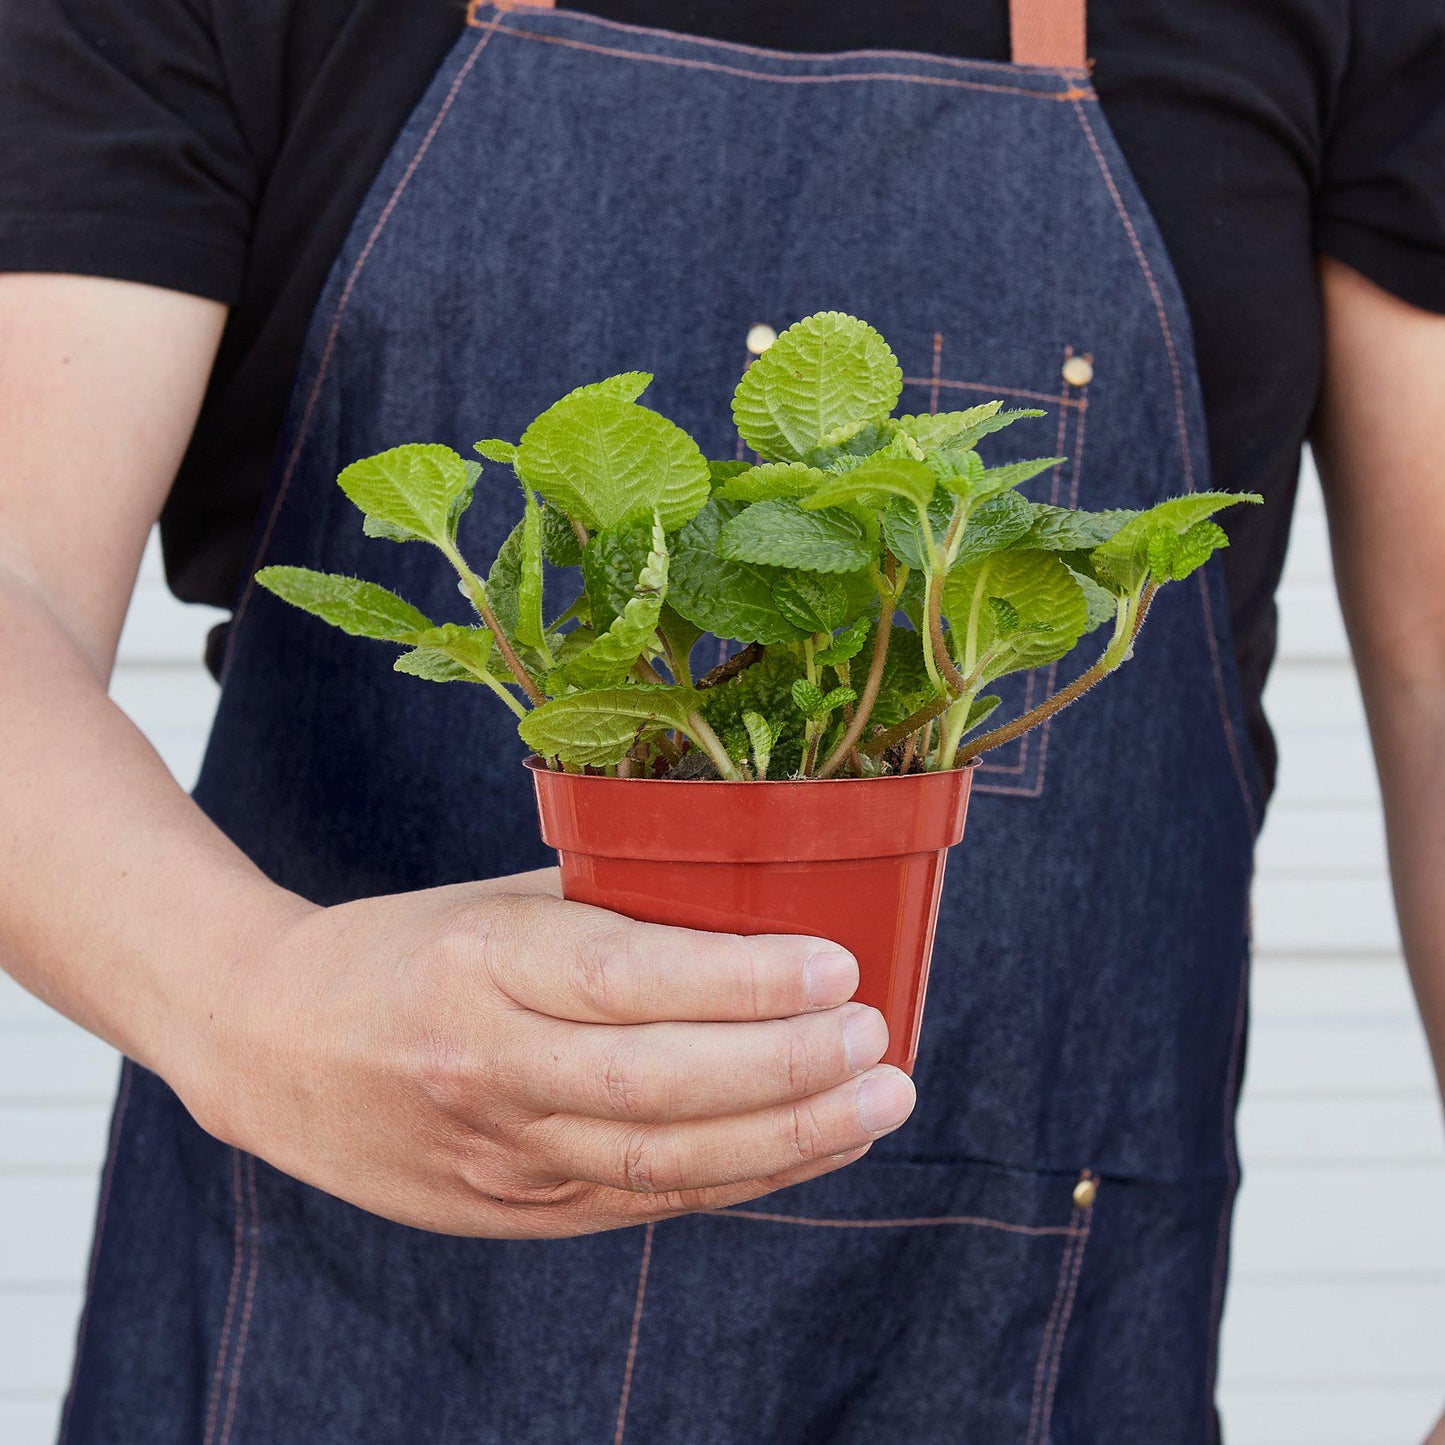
(708, 1153)
(659, 1073)
(586, 964)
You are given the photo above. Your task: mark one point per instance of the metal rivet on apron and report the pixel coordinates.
(1078, 371)
(760, 337)
(1085, 1191)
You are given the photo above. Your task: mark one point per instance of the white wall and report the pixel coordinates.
(1335, 1333)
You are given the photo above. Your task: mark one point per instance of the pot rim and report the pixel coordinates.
(534, 763)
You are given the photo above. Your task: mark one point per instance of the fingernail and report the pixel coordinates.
(885, 1100)
(865, 1037)
(830, 978)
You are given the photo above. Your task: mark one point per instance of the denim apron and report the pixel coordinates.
(1040, 1253)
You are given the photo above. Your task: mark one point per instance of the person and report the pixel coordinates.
(389, 1102)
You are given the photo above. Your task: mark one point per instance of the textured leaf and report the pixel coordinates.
(1063, 529)
(936, 430)
(593, 729)
(1006, 617)
(1101, 604)
(496, 450)
(463, 499)
(361, 608)
(411, 489)
(625, 386)
(766, 689)
(560, 545)
(630, 635)
(902, 533)
(993, 525)
(602, 459)
(872, 483)
(772, 479)
(1015, 474)
(813, 601)
(611, 565)
(781, 534)
(808, 698)
(824, 374)
(850, 446)
(846, 645)
(905, 686)
(531, 629)
(504, 581)
(1042, 595)
(720, 472)
(727, 598)
(449, 653)
(971, 435)
(1174, 555)
(681, 635)
(760, 738)
(979, 709)
(1122, 563)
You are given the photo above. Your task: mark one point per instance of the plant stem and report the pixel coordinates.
(502, 693)
(726, 671)
(871, 686)
(1131, 619)
(703, 735)
(933, 604)
(477, 595)
(879, 744)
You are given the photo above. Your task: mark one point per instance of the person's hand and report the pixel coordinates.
(490, 1060)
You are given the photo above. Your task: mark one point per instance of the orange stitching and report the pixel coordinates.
(1181, 422)
(708, 43)
(1048, 1410)
(740, 73)
(992, 390)
(1050, 1324)
(937, 370)
(121, 1104)
(237, 1257)
(255, 1232)
(323, 366)
(636, 1332)
(940, 1219)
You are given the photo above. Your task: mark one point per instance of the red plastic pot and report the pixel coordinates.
(856, 860)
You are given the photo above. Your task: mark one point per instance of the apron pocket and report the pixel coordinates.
(889, 1301)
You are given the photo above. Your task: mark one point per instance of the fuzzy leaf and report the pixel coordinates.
(449, 653)
(980, 708)
(611, 565)
(463, 499)
(410, 489)
(531, 629)
(903, 534)
(729, 599)
(815, 704)
(625, 386)
(1062, 529)
(872, 483)
(766, 689)
(360, 608)
(504, 581)
(760, 737)
(1174, 555)
(772, 479)
(822, 375)
(993, 525)
(1006, 617)
(560, 545)
(852, 445)
(781, 534)
(631, 635)
(812, 601)
(433, 665)
(603, 459)
(496, 450)
(1123, 562)
(1042, 595)
(593, 729)
(846, 645)
(935, 430)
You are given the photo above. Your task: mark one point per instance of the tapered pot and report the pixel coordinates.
(856, 860)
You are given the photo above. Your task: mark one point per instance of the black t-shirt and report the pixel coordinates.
(223, 150)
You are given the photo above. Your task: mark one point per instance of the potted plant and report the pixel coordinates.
(876, 576)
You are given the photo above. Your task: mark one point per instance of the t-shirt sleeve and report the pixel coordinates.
(1381, 205)
(122, 153)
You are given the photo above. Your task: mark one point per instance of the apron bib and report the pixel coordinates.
(1039, 1254)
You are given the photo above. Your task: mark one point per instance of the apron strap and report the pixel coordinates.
(1048, 32)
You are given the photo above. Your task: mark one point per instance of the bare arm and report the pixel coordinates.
(1383, 469)
(536, 1068)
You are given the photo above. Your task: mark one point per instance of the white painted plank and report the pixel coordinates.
(1339, 989)
(46, 1240)
(38, 1330)
(1328, 1414)
(1343, 1133)
(1341, 1060)
(59, 1065)
(1327, 841)
(61, 1138)
(1326, 915)
(28, 1420)
(1302, 695)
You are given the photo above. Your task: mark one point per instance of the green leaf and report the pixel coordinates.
(496, 450)
(682, 636)
(815, 704)
(823, 375)
(449, 653)
(812, 601)
(872, 483)
(764, 688)
(362, 609)
(560, 544)
(504, 581)
(760, 736)
(631, 635)
(979, 709)
(846, 645)
(905, 685)
(993, 525)
(1064, 529)
(1006, 617)
(625, 386)
(852, 445)
(531, 629)
(410, 489)
(1101, 604)
(720, 472)
(727, 598)
(935, 430)
(462, 500)
(1174, 555)
(611, 564)
(903, 534)
(1123, 562)
(593, 729)
(603, 459)
(780, 533)
(1043, 599)
(772, 479)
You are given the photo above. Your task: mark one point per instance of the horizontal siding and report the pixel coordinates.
(1332, 1332)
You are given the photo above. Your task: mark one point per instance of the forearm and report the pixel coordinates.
(121, 905)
